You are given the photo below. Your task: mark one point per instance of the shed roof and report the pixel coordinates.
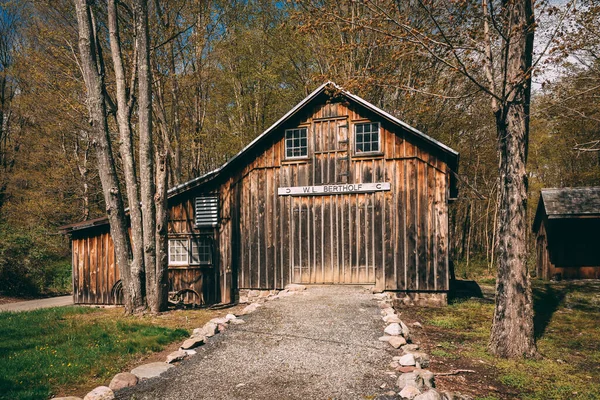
(451, 154)
(557, 203)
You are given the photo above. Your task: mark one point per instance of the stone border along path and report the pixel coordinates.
(415, 382)
(319, 345)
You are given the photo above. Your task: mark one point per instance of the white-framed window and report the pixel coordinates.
(296, 143)
(200, 250)
(178, 251)
(367, 138)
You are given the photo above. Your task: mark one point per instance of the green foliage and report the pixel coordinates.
(568, 341)
(32, 262)
(45, 349)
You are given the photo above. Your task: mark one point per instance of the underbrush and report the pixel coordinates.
(45, 350)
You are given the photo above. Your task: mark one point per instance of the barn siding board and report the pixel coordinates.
(396, 239)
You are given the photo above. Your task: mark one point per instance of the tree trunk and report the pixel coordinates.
(123, 115)
(96, 103)
(512, 329)
(146, 150)
(162, 241)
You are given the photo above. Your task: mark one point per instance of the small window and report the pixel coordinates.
(201, 251)
(296, 143)
(366, 138)
(178, 251)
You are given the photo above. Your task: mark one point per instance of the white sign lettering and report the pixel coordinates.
(333, 189)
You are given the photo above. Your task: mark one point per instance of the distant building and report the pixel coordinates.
(567, 229)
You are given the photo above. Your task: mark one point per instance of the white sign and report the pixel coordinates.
(342, 188)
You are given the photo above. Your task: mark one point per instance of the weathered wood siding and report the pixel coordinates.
(396, 239)
(567, 249)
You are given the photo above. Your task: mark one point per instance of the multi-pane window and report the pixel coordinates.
(195, 250)
(178, 251)
(366, 139)
(201, 250)
(296, 143)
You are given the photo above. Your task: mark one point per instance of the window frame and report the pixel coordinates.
(379, 151)
(187, 252)
(209, 245)
(285, 147)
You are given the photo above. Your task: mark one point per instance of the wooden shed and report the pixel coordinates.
(567, 226)
(337, 191)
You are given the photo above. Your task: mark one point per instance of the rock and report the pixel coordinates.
(222, 327)
(405, 369)
(294, 287)
(407, 360)
(409, 392)
(100, 393)
(250, 308)
(151, 370)
(410, 379)
(417, 325)
(388, 311)
(421, 358)
(199, 332)
(66, 398)
(243, 300)
(394, 365)
(405, 331)
(384, 304)
(230, 317)
(428, 378)
(190, 352)
(455, 396)
(393, 329)
(123, 380)
(237, 321)
(391, 319)
(380, 296)
(397, 341)
(191, 343)
(253, 293)
(384, 338)
(409, 348)
(210, 329)
(219, 321)
(176, 356)
(431, 394)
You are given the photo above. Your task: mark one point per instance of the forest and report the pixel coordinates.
(223, 71)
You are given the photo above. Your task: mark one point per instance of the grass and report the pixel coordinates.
(567, 328)
(50, 351)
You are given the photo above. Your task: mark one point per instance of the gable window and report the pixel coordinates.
(296, 143)
(366, 138)
(178, 251)
(201, 250)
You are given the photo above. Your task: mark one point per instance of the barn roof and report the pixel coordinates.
(451, 154)
(557, 203)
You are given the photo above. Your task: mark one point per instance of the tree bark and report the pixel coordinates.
(96, 103)
(146, 151)
(123, 115)
(512, 329)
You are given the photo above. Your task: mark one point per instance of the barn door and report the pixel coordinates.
(333, 239)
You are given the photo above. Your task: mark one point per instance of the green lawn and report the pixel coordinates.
(48, 350)
(567, 327)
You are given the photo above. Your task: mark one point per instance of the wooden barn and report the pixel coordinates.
(337, 191)
(567, 226)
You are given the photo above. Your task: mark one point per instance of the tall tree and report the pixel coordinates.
(92, 66)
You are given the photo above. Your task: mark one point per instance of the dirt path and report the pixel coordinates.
(320, 344)
(39, 303)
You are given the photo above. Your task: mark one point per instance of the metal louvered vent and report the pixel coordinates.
(207, 211)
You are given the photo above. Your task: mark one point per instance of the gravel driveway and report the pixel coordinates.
(320, 344)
